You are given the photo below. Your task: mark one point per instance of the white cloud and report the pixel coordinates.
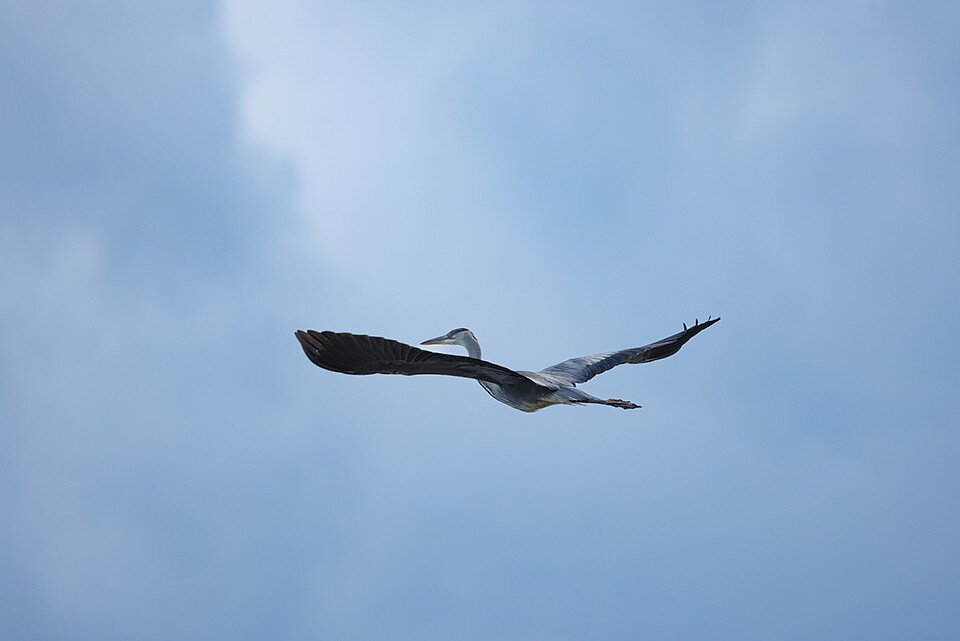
(391, 191)
(171, 446)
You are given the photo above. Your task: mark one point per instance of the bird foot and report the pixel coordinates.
(622, 404)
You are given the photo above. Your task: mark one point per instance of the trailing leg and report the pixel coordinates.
(612, 402)
(616, 402)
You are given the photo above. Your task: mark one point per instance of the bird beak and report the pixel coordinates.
(439, 340)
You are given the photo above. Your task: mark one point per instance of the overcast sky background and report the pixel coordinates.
(184, 184)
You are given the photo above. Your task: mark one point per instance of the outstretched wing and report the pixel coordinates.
(582, 369)
(362, 354)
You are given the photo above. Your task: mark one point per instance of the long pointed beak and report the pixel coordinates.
(439, 340)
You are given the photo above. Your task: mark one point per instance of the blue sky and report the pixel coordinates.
(182, 185)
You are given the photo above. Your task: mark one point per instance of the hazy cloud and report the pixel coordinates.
(183, 186)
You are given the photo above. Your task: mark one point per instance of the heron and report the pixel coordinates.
(526, 391)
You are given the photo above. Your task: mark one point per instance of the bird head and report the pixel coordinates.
(460, 336)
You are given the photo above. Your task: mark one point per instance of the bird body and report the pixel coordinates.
(526, 391)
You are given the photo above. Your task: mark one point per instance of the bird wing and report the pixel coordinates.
(362, 354)
(583, 368)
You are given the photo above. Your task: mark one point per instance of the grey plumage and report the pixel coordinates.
(583, 368)
(528, 391)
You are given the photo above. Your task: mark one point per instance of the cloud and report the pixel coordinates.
(132, 237)
(183, 187)
(383, 171)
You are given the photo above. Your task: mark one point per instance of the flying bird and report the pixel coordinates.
(527, 391)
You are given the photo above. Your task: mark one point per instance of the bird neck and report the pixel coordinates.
(470, 342)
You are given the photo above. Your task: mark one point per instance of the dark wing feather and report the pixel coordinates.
(362, 354)
(583, 368)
